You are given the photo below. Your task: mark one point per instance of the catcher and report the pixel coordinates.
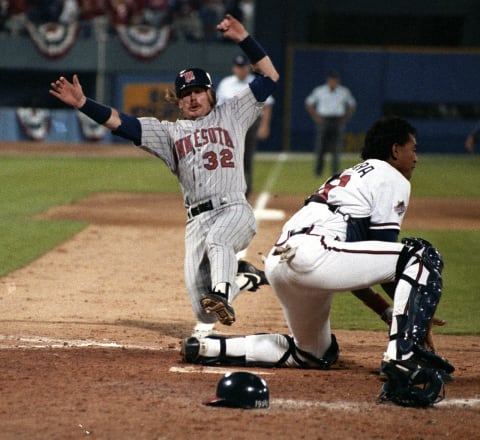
(345, 238)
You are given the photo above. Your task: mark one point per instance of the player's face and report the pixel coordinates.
(405, 157)
(195, 102)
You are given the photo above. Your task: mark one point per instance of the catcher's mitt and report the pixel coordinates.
(414, 388)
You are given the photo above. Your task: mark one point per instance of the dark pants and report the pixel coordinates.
(329, 137)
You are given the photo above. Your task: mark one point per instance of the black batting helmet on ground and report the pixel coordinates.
(241, 390)
(193, 77)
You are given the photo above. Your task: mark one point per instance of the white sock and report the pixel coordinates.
(203, 329)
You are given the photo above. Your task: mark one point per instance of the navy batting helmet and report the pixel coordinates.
(193, 77)
(241, 390)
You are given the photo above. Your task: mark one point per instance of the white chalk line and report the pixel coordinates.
(13, 342)
(264, 196)
(201, 369)
(260, 211)
(358, 406)
(473, 401)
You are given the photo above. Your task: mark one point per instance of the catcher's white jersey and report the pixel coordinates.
(372, 190)
(206, 154)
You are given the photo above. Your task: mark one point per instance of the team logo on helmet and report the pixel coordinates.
(192, 77)
(189, 76)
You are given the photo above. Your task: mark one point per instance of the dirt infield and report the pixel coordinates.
(89, 343)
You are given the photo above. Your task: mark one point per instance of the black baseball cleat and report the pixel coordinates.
(254, 278)
(218, 304)
(422, 358)
(190, 350)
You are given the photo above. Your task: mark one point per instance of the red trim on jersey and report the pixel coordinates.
(356, 251)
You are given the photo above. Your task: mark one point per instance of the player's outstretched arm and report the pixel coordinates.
(71, 93)
(235, 31)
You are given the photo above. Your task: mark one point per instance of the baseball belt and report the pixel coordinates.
(215, 202)
(202, 207)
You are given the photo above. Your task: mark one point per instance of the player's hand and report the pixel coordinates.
(232, 29)
(70, 93)
(429, 343)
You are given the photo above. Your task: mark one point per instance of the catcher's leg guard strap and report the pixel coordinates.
(330, 357)
(222, 358)
(277, 350)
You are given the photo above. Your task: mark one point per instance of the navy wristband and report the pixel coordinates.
(130, 128)
(252, 49)
(98, 112)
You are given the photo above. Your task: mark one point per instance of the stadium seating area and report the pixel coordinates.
(191, 20)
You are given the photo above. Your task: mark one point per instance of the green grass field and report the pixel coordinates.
(30, 185)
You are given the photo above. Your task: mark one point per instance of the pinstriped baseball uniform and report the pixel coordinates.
(206, 155)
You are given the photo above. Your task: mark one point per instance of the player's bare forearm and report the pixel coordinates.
(266, 68)
(376, 302)
(235, 31)
(264, 128)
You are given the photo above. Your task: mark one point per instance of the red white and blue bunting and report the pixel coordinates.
(144, 41)
(91, 130)
(35, 122)
(53, 39)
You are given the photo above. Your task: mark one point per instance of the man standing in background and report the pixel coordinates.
(227, 88)
(330, 106)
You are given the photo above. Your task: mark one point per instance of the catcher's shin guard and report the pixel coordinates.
(423, 298)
